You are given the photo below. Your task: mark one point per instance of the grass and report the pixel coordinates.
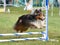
(7, 21)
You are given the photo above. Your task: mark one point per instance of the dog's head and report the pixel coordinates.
(40, 18)
(39, 14)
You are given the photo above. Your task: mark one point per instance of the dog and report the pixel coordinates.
(29, 20)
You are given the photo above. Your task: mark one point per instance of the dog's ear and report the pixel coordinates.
(40, 10)
(36, 10)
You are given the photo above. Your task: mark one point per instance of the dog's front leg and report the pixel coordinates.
(43, 24)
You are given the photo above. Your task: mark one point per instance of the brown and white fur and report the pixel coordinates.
(29, 20)
(36, 11)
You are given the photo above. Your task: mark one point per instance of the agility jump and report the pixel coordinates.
(45, 33)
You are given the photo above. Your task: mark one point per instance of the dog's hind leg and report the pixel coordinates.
(23, 29)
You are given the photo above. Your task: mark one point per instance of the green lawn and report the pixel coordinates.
(7, 21)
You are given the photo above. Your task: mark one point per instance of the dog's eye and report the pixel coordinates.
(39, 18)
